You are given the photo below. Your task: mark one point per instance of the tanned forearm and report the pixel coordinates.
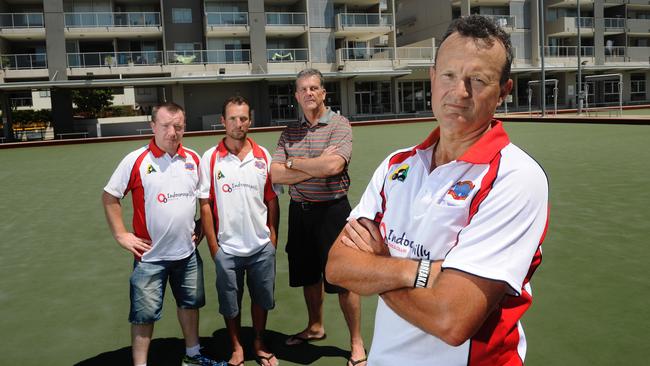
(281, 175)
(273, 219)
(207, 221)
(320, 167)
(454, 308)
(365, 273)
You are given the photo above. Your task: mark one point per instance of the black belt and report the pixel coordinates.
(308, 205)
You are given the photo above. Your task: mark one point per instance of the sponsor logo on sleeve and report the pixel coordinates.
(461, 190)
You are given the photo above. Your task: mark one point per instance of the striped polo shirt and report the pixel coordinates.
(299, 140)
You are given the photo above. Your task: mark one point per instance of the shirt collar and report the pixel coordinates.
(483, 150)
(223, 151)
(158, 152)
(324, 119)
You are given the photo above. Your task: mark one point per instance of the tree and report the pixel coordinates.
(91, 102)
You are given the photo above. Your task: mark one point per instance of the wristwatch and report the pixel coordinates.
(289, 164)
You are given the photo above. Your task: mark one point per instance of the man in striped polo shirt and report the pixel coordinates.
(448, 233)
(312, 157)
(163, 178)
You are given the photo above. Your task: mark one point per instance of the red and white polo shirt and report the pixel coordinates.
(163, 189)
(485, 214)
(238, 190)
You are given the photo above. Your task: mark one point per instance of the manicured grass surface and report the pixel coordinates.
(64, 281)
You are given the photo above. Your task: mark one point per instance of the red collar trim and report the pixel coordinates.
(158, 152)
(488, 146)
(483, 150)
(257, 150)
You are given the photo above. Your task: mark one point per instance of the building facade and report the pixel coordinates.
(375, 54)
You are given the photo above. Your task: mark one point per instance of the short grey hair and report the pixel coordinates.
(308, 73)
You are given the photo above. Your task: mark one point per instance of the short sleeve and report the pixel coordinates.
(505, 233)
(280, 154)
(204, 174)
(342, 138)
(118, 184)
(269, 192)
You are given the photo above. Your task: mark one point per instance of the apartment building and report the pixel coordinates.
(196, 53)
(614, 40)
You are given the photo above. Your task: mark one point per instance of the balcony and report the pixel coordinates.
(97, 24)
(18, 26)
(416, 53)
(286, 24)
(506, 22)
(638, 54)
(230, 24)
(209, 57)
(283, 55)
(23, 61)
(568, 26)
(363, 26)
(568, 51)
(353, 59)
(615, 54)
(569, 3)
(638, 27)
(114, 59)
(614, 25)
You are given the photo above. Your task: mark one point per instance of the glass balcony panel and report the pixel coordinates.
(227, 19)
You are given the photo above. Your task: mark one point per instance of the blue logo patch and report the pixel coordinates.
(189, 166)
(461, 190)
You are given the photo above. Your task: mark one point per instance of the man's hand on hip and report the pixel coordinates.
(133, 244)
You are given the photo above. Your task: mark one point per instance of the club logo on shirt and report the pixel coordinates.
(461, 190)
(400, 173)
(189, 166)
(220, 175)
(259, 164)
(151, 169)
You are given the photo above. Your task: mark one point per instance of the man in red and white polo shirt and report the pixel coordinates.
(448, 232)
(240, 213)
(163, 178)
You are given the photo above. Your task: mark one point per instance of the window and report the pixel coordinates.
(44, 93)
(181, 15)
(637, 87)
(611, 91)
(415, 96)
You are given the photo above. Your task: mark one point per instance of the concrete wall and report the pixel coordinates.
(257, 23)
(183, 32)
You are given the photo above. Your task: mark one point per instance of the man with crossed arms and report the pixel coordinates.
(449, 232)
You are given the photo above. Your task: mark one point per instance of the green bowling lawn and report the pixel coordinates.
(64, 281)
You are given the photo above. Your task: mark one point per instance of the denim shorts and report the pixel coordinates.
(149, 280)
(260, 278)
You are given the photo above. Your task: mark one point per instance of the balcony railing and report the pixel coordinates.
(614, 52)
(209, 57)
(21, 20)
(112, 59)
(365, 20)
(104, 19)
(366, 54)
(585, 22)
(24, 61)
(227, 19)
(415, 53)
(286, 19)
(287, 55)
(504, 21)
(568, 51)
(614, 23)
